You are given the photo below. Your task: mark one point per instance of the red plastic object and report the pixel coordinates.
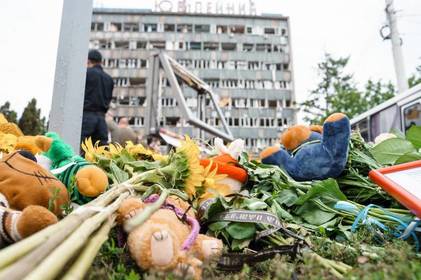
(398, 192)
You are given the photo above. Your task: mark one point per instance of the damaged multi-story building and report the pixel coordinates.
(246, 59)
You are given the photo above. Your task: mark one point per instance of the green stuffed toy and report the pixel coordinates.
(84, 180)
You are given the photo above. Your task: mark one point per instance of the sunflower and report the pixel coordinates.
(211, 186)
(93, 151)
(114, 149)
(138, 151)
(190, 152)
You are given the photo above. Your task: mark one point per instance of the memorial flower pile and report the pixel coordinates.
(272, 214)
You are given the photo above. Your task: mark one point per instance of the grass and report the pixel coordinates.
(394, 259)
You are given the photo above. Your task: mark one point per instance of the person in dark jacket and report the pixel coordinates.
(98, 93)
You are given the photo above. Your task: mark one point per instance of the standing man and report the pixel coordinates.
(98, 93)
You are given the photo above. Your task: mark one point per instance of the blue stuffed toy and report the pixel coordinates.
(313, 154)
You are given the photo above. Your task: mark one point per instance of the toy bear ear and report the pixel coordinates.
(335, 117)
(27, 155)
(316, 128)
(295, 136)
(269, 151)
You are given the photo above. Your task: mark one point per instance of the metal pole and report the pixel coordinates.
(69, 81)
(396, 47)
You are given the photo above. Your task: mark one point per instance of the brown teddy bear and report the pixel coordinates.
(166, 243)
(27, 192)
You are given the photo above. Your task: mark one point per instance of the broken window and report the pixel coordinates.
(150, 27)
(288, 103)
(253, 65)
(143, 63)
(195, 45)
(142, 101)
(158, 45)
(248, 47)
(263, 47)
(131, 26)
(172, 121)
(237, 29)
(184, 28)
(140, 45)
(120, 82)
(202, 28)
(97, 26)
(269, 30)
(115, 26)
(104, 44)
(221, 29)
(137, 82)
(169, 27)
(283, 32)
(249, 29)
(134, 101)
(228, 46)
(210, 46)
(121, 44)
(123, 100)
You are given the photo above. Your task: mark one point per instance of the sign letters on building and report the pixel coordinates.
(206, 7)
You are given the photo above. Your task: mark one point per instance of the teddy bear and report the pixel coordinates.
(169, 240)
(12, 138)
(230, 177)
(305, 157)
(84, 180)
(31, 198)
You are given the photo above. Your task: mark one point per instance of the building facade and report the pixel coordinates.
(246, 59)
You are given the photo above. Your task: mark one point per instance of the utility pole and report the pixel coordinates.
(69, 81)
(396, 47)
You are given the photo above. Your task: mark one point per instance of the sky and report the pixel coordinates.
(30, 30)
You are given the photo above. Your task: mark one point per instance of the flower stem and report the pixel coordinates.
(140, 218)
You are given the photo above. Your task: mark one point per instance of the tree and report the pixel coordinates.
(31, 122)
(338, 92)
(9, 114)
(415, 79)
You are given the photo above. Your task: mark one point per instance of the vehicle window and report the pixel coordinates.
(412, 115)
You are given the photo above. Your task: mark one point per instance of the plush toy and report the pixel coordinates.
(314, 160)
(83, 180)
(27, 192)
(230, 177)
(169, 240)
(12, 138)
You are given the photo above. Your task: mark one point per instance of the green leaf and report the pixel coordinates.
(388, 151)
(241, 230)
(413, 135)
(412, 156)
(119, 175)
(281, 212)
(326, 190)
(313, 215)
(217, 226)
(398, 133)
(213, 209)
(287, 197)
(143, 165)
(238, 245)
(254, 204)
